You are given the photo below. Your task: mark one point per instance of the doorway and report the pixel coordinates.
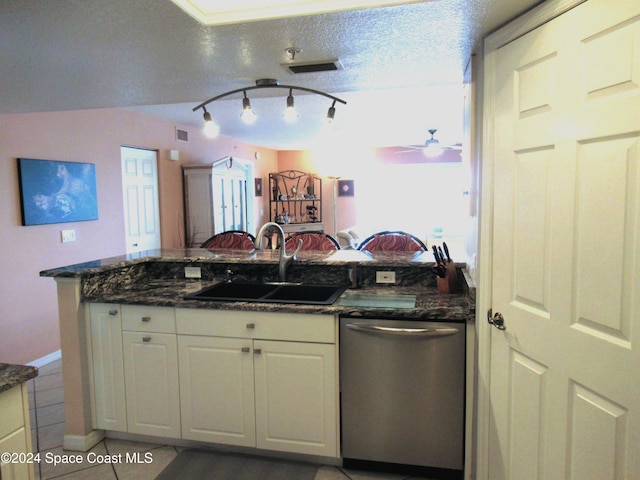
(140, 198)
(231, 199)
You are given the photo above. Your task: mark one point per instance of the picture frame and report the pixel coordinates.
(54, 191)
(346, 188)
(258, 187)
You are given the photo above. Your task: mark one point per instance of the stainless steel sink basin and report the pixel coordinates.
(297, 293)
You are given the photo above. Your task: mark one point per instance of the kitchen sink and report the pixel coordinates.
(276, 292)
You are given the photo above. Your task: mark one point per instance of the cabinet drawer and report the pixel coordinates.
(262, 325)
(142, 318)
(11, 414)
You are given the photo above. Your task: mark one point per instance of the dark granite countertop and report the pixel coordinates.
(200, 255)
(12, 375)
(430, 304)
(157, 278)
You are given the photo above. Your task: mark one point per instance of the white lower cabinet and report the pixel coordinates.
(216, 389)
(254, 379)
(295, 397)
(151, 383)
(259, 392)
(108, 367)
(15, 435)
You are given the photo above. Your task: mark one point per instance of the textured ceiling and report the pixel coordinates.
(151, 56)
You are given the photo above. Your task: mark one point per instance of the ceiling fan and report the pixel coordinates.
(432, 147)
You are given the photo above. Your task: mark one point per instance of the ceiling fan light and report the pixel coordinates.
(248, 116)
(432, 148)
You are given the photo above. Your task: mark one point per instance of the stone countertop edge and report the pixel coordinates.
(12, 375)
(196, 255)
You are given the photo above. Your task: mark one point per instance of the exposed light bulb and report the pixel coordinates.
(290, 114)
(331, 113)
(211, 129)
(248, 116)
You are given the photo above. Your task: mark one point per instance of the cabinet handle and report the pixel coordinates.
(246, 349)
(251, 326)
(113, 312)
(257, 351)
(146, 319)
(146, 339)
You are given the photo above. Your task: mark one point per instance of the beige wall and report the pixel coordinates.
(28, 305)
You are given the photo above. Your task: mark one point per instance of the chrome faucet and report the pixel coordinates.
(284, 259)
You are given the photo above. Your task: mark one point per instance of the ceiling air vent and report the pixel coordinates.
(182, 135)
(313, 67)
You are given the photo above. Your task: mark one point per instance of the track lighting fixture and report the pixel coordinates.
(210, 128)
(249, 116)
(290, 114)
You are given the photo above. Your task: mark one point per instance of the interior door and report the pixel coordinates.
(230, 201)
(140, 195)
(565, 373)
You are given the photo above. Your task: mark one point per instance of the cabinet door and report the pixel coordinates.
(151, 381)
(296, 397)
(108, 367)
(15, 443)
(216, 388)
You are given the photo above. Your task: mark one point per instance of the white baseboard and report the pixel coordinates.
(82, 443)
(41, 362)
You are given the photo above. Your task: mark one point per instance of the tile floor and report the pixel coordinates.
(46, 403)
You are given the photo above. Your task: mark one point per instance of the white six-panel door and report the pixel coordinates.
(565, 130)
(140, 195)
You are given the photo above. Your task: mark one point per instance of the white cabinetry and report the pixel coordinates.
(14, 433)
(259, 379)
(253, 379)
(151, 371)
(216, 386)
(108, 367)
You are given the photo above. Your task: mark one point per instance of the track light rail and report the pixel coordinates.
(257, 87)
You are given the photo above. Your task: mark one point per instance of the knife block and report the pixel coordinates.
(450, 283)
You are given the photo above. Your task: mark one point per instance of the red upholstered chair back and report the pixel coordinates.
(392, 242)
(312, 241)
(232, 239)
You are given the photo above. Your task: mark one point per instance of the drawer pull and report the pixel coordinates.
(257, 351)
(146, 319)
(113, 312)
(146, 339)
(246, 349)
(251, 326)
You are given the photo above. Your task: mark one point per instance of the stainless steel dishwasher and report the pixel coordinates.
(402, 393)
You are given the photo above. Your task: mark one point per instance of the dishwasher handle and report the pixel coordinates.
(420, 332)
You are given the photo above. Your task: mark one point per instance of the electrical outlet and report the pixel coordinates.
(68, 236)
(385, 277)
(192, 272)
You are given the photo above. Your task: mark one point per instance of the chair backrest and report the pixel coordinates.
(312, 241)
(392, 242)
(231, 239)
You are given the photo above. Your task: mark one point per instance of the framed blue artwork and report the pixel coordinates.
(57, 192)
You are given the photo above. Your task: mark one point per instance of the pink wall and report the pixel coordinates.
(28, 303)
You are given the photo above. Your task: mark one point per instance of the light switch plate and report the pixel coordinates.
(192, 272)
(67, 236)
(385, 277)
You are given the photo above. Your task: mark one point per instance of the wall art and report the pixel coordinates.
(56, 192)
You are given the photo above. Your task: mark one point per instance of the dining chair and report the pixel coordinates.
(312, 241)
(231, 239)
(392, 241)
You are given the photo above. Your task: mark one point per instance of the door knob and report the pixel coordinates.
(496, 319)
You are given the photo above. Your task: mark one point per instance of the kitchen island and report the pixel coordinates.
(154, 284)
